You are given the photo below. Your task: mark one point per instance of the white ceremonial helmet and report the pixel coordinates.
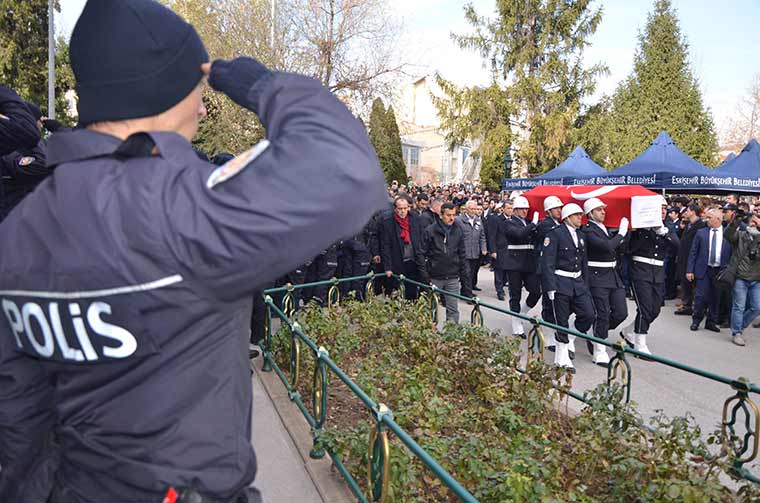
(663, 202)
(552, 202)
(592, 204)
(521, 202)
(570, 209)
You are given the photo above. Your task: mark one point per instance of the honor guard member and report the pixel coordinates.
(648, 249)
(127, 276)
(565, 277)
(520, 262)
(605, 283)
(552, 220)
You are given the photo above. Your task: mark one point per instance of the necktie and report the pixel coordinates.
(714, 248)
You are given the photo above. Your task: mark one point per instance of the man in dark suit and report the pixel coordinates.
(710, 252)
(400, 246)
(694, 222)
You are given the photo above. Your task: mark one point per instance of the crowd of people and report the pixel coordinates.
(443, 235)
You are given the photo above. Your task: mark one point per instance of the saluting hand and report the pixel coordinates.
(535, 218)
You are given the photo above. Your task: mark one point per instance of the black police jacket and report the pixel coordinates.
(520, 248)
(18, 128)
(126, 284)
(444, 255)
(644, 246)
(20, 173)
(561, 254)
(602, 251)
(492, 230)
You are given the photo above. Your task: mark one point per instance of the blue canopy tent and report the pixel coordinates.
(742, 173)
(661, 166)
(729, 157)
(577, 165)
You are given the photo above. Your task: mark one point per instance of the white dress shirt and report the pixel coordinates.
(718, 243)
(573, 234)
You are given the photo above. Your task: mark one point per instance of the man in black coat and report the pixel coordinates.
(693, 215)
(445, 264)
(400, 240)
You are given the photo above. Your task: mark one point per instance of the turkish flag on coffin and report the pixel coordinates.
(616, 197)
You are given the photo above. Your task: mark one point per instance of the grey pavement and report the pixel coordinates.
(282, 442)
(656, 386)
(281, 476)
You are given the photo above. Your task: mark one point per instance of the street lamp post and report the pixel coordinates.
(508, 164)
(51, 61)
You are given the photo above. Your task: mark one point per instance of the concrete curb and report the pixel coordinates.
(328, 482)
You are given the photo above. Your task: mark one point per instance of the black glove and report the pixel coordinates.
(52, 125)
(236, 78)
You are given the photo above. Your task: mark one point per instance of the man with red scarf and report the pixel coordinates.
(400, 240)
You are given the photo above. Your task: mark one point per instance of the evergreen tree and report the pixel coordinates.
(394, 169)
(24, 48)
(535, 46)
(384, 136)
(661, 94)
(377, 131)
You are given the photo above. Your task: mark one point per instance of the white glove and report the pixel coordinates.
(550, 294)
(623, 228)
(662, 231)
(535, 218)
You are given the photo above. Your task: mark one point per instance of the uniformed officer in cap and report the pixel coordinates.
(648, 249)
(565, 277)
(552, 220)
(605, 283)
(126, 277)
(520, 261)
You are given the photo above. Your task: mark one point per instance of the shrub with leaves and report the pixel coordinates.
(499, 431)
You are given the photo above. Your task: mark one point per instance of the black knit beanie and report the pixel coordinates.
(132, 58)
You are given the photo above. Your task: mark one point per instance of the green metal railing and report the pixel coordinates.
(745, 448)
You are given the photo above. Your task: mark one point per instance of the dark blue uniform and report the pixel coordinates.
(497, 243)
(20, 172)
(126, 281)
(322, 268)
(605, 283)
(564, 271)
(520, 262)
(648, 250)
(545, 227)
(18, 128)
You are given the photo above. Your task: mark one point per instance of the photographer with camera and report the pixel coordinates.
(746, 265)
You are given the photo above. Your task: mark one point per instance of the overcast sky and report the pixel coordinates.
(722, 36)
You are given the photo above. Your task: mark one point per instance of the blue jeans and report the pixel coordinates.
(741, 315)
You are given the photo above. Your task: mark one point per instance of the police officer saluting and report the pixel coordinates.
(648, 249)
(605, 283)
(565, 277)
(552, 220)
(520, 262)
(126, 277)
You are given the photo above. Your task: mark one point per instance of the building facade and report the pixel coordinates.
(427, 156)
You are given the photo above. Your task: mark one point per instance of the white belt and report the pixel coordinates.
(568, 274)
(650, 261)
(519, 247)
(610, 265)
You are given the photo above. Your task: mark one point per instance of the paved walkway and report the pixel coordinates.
(282, 442)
